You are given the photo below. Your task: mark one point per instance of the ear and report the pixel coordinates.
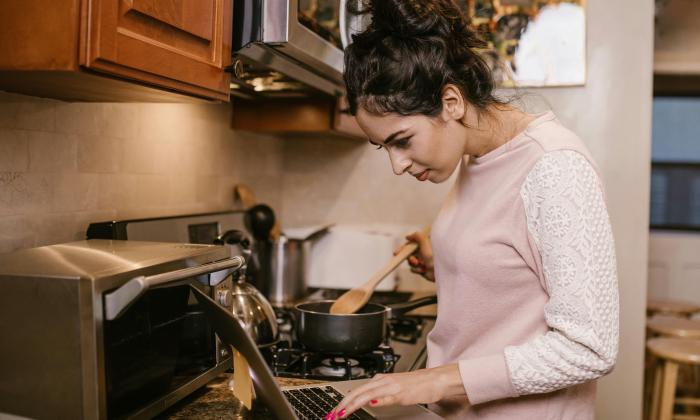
(453, 104)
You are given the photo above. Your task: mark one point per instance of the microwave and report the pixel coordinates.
(108, 329)
(290, 47)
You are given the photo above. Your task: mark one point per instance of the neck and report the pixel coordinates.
(493, 127)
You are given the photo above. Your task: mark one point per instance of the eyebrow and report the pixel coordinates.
(390, 138)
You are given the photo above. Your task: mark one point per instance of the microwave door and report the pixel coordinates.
(283, 28)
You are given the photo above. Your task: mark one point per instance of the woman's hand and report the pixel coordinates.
(421, 261)
(419, 387)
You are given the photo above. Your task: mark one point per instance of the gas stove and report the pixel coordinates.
(295, 362)
(403, 351)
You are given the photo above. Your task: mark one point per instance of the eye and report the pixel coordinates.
(402, 143)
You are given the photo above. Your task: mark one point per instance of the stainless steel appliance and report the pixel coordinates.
(200, 228)
(104, 329)
(284, 47)
(405, 347)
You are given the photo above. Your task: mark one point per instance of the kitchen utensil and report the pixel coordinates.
(276, 231)
(361, 332)
(245, 195)
(255, 313)
(355, 298)
(247, 303)
(259, 220)
(289, 267)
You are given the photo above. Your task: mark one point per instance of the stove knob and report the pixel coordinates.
(224, 297)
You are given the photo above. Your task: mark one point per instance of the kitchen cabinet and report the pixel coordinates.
(308, 115)
(116, 50)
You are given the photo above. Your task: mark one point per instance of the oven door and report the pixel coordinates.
(158, 344)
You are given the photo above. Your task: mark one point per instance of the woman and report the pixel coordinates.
(522, 250)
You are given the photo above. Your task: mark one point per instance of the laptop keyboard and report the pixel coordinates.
(314, 403)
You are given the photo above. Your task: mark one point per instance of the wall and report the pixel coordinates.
(64, 165)
(352, 183)
(674, 269)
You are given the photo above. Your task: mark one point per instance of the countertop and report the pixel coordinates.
(215, 401)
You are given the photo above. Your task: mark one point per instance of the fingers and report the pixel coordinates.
(372, 393)
(419, 238)
(417, 265)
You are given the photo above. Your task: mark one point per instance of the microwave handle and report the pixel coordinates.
(116, 302)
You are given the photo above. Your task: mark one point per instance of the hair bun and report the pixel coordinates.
(411, 18)
(402, 60)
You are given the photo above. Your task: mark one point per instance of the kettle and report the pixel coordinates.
(249, 306)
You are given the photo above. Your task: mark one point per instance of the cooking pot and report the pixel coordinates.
(356, 333)
(289, 267)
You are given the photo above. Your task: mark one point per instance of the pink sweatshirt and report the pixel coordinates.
(526, 280)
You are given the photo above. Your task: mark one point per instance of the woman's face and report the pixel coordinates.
(427, 148)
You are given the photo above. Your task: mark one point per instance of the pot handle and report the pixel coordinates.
(402, 308)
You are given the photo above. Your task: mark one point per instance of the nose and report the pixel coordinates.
(399, 162)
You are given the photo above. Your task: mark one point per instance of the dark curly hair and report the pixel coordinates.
(411, 49)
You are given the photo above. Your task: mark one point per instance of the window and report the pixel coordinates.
(675, 173)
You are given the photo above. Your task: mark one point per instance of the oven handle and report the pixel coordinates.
(116, 302)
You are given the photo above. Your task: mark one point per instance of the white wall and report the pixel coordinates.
(328, 180)
(674, 267)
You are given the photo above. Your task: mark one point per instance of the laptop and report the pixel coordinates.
(308, 402)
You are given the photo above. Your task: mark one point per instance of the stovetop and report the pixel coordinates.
(295, 362)
(404, 350)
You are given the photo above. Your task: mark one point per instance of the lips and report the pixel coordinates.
(423, 175)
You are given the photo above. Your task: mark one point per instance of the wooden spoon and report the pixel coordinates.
(245, 195)
(355, 298)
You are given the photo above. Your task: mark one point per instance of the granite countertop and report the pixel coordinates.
(215, 401)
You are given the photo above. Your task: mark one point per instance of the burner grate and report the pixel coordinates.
(292, 362)
(406, 329)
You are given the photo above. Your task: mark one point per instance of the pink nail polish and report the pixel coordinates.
(341, 413)
(373, 402)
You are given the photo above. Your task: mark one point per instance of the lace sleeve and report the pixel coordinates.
(568, 220)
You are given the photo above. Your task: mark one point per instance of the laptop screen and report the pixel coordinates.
(233, 334)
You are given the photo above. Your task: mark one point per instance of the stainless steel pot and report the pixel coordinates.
(289, 265)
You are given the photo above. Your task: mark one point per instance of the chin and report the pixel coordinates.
(438, 178)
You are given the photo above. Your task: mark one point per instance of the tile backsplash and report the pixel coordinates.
(64, 165)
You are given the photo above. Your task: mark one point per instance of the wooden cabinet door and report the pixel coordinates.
(182, 45)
